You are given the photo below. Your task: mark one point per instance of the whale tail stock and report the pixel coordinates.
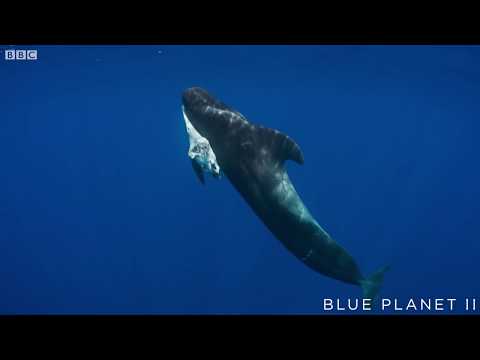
(372, 284)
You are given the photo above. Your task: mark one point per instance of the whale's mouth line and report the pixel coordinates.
(200, 149)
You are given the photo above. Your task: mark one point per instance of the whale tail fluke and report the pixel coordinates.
(372, 285)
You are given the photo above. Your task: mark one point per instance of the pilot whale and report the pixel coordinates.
(253, 157)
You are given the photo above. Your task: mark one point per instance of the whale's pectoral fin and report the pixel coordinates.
(198, 171)
(281, 145)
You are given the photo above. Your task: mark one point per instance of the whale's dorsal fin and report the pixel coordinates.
(282, 146)
(198, 171)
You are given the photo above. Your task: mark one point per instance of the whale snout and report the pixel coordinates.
(208, 116)
(194, 97)
(188, 95)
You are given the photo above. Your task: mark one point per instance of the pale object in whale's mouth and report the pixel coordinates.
(200, 149)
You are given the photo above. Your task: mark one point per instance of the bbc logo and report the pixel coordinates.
(20, 54)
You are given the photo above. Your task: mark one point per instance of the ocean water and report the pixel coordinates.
(101, 213)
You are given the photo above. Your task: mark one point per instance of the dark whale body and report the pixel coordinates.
(252, 157)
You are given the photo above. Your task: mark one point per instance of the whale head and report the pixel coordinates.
(203, 116)
(209, 116)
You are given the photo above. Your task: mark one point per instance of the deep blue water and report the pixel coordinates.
(100, 211)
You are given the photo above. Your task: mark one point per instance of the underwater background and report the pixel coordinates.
(101, 213)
